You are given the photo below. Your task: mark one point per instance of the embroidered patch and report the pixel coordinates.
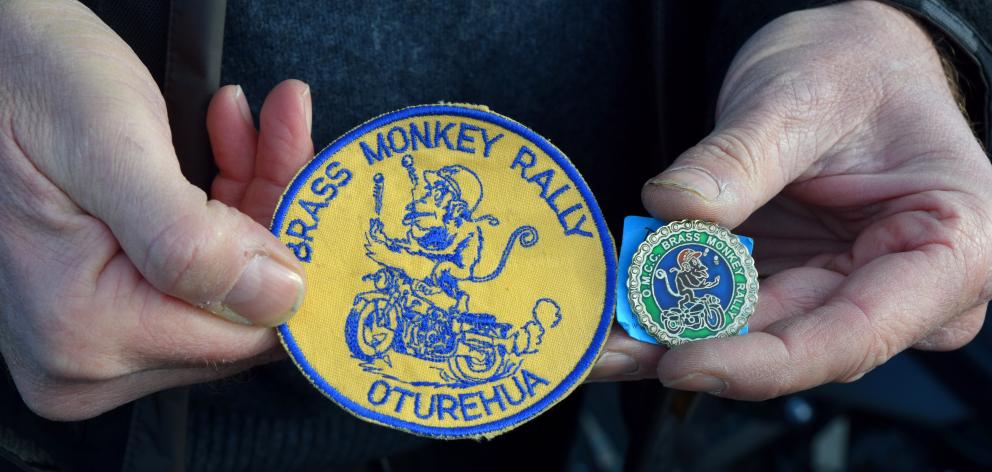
(692, 280)
(460, 274)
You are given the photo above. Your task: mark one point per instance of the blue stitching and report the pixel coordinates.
(606, 241)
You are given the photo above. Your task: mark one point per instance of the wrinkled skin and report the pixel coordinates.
(840, 148)
(106, 251)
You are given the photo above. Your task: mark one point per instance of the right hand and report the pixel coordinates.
(110, 261)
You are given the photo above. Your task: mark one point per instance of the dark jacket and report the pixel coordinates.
(642, 83)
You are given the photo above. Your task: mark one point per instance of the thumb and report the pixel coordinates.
(768, 134)
(728, 175)
(103, 139)
(217, 258)
(203, 252)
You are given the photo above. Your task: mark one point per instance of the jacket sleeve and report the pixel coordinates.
(962, 30)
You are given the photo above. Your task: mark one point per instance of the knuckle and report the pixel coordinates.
(954, 334)
(875, 347)
(878, 349)
(171, 256)
(281, 138)
(813, 345)
(181, 260)
(958, 222)
(734, 148)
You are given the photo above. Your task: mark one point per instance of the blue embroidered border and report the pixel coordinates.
(604, 235)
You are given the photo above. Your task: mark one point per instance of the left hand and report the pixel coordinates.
(840, 148)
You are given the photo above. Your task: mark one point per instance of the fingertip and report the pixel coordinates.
(611, 365)
(228, 104)
(242, 103)
(267, 293)
(723, 179)
(289, 101)
(669, 199)
(232, 140)
(693, 193)
(696, 180)
(307, 107)
(292, 84)
(220, 260)
(284, 141)
(624, 358)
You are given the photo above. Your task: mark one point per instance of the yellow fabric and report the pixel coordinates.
(560, 273)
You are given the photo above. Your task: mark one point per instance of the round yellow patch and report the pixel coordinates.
(459, 272)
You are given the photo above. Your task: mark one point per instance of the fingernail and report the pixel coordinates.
(855, 377)
(613, 364)
(698, 383)
(307, 107)
(242, 101)
(691, 179)
(267, 294)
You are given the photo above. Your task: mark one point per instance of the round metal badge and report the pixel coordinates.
(692, 280)
(459, 272)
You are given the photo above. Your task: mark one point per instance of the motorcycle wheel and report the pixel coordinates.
(713, 318)
(370, 329)
(673, 321)
(480, 367)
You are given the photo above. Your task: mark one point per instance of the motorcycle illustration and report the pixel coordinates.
(704, 311)
(397, 316)
(693, 311)
(427, 316)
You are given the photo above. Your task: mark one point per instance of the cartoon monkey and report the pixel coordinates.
(442, 229)
(691, 275)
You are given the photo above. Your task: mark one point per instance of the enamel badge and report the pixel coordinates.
(692, 280)
(459, 272)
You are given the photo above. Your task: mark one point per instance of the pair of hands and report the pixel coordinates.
(838, 147)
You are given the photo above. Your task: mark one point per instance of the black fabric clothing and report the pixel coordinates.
(621, 87)
(964, 28)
